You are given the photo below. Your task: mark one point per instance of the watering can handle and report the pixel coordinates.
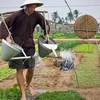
(3, 20)
(45, 41)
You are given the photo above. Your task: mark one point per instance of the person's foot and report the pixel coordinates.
(23, 98)
(31, 91)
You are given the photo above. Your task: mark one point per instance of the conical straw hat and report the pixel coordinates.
(27, 2)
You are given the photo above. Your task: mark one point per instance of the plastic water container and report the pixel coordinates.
(9, 50)
(43, 50)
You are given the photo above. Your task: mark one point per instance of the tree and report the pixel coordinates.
(55, 17)
(70, 16)
(60, 21)
(66, 20)
(76, 13)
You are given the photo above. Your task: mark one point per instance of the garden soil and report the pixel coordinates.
(51, 78)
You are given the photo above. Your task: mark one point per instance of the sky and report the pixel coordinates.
(90, 7)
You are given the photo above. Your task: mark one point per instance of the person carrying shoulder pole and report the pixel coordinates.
(21, 24)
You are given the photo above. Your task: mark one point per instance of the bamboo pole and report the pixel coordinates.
(86, 19)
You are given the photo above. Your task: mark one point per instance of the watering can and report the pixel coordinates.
(9, 51)
(45, 48)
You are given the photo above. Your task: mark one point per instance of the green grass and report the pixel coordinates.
(36, 47)
(10, 93)
(87, 71)
(6, 72)
(85, 48)
(0, 49)
(67, 45)
(64, 36)
(58, 35)
(14, 94)
(60, 95)
(99, 47)
(97, 36)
